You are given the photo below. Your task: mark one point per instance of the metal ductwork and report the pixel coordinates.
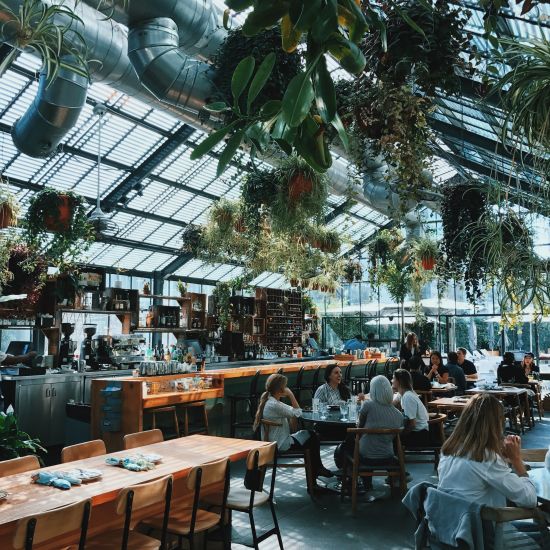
(170, 75)
(52, 114)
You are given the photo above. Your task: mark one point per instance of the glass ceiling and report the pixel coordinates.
(152, 216)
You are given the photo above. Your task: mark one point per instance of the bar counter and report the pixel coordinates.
(136, 406)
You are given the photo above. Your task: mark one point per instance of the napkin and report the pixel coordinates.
(49, 478)
(132, 463)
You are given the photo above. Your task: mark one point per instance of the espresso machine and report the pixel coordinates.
(67, 347)
(127, 350)
(87, 348)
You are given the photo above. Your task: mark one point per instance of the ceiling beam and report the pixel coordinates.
(145, 169)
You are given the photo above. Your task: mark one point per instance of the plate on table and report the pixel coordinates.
(3, 496)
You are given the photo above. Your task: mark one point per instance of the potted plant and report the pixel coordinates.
(182, 288)
(257, 191)
(9, 208)
(64, 214)
(146, 288)
(353, 272)
(307, 303)
(192, 239)
(224, 214)
(15, 442)
(222, 297)
(426, 251)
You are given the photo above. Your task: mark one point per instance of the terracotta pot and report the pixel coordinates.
(294, 282)
(239, 225)
(7, 216)
(315, 286)
(299, 185)
(62, 221)
(428, 263)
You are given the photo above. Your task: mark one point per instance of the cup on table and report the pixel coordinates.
(315, 405)
(323, 408)
(344, 411)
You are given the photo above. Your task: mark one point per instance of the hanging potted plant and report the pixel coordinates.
(222, 299)
(9, 208)
(192, 239)
(64, 214)
(426, 251)
(353, 272)
(322, 238)
(224, 213)
(257, 192)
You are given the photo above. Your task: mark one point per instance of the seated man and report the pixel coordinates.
(456, 372)
(466, 365)
(420, 382)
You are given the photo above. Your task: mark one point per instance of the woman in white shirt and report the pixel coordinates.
(272, 408)
(416, 433)
(474, 461)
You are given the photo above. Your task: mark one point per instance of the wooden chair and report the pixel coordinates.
(538, 399)
(388, 469)
(196, 405)
(314, 381)
(245, 499)
(425, 396)
(47, 526)
(298, 387)
(436, 424)
(171, 412)
(532, 455)
(140, 439)
(83, 450)
(529, 402)
(130, 499)
(188, 522)
(304, 455)
(346, 379)
(251, 399)
(19, 465)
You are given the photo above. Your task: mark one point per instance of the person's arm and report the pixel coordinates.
(293, 401)
(431, 373)
(15, 359)
(397, 400)
(410, 410)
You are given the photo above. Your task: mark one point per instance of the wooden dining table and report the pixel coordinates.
(449, 403)
(179, 456)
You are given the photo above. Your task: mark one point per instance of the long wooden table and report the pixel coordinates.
(179, 457)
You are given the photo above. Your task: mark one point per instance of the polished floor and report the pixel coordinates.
(327, 523)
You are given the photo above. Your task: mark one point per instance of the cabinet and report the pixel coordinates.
(40, 408)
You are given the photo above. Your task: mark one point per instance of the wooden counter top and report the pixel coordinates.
(165, 399)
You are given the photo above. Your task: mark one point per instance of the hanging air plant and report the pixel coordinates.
(9, 208)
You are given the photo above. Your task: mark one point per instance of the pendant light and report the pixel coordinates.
(103, 225)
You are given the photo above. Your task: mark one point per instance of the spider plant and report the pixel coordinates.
(426, 251)
(44, 28)
(526, 90)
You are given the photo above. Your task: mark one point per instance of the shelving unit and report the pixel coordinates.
(284, 321)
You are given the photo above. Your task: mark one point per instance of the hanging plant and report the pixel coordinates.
(222, 296)
(426, 251)
(64, 214)
(257, 192)
(353, 272)
(9, 207)
(382, 246)
(182, 288)
(301, 194)
(192, 237)
(421, 45)
(224, 214)
(35, 26)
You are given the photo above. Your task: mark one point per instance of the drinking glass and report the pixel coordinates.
(315, 405)
(323, 407)
(344, 411)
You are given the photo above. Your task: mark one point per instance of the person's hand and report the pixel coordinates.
(361, 397)
(511, 448)
(288, 392)
(31, 354)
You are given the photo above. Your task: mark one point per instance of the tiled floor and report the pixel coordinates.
(326, 522)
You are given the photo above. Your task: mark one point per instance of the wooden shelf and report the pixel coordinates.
(95, 311)
(161, 297)
(169, 330)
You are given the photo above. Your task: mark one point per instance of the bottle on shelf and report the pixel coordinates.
(149, 318)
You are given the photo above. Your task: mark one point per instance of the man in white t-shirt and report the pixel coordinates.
(416, 432)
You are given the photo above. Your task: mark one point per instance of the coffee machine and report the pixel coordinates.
(67, 347)
(103, 345)
(87, 348)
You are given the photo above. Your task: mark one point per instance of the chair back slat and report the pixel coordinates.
(300, 377)
(18, 465)
(144, 494)
(267, 425)
(533, 455)
(140, 439)
(266, 454)
(254, 384)
(79, 451)
(211, 472)
(46, 526)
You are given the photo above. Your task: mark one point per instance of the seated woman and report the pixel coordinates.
(474, 459)
(272, 408)
(419, 381)
(378, 412)
(416, 433)
(332, 392)
(437, 371)
(529, 366)
(509, 373)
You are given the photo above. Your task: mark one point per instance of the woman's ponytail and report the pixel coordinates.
(260, 411)
(274, 384)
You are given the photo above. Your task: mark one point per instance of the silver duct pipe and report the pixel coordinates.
(169, 74)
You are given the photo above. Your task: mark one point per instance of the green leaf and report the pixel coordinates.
(230, 150)
(297, 99)
(211, 141)
(326, 23)
(308, 15)
(271, 108)
(265, 16)
(408, 20)
(282, 131)
(216, 107)
(342, 134)
(325, 94)
(347, 53)
(241, 77)
(238, 5)
(260, 79)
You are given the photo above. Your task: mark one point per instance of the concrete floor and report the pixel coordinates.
(326, 522)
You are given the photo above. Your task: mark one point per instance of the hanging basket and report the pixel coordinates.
(428, 263)
(299, 185)
(7, 216)
(61, 222)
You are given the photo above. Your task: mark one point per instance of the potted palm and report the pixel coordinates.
(9, 208)
(15, 442)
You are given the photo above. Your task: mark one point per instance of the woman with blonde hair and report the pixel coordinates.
(409, 349)
(272, 408)
(474, 461)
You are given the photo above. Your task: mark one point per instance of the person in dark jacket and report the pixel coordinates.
(509, 373)
(465, 364)
(409, 348)
(456, 372)
(420, 382)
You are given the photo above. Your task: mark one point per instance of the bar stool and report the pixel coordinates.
(251, 398)
(83, 450)
(130, 499)
(187, 407)
(170, 410)
(18, 465)
(43, 528)
(140, 439)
